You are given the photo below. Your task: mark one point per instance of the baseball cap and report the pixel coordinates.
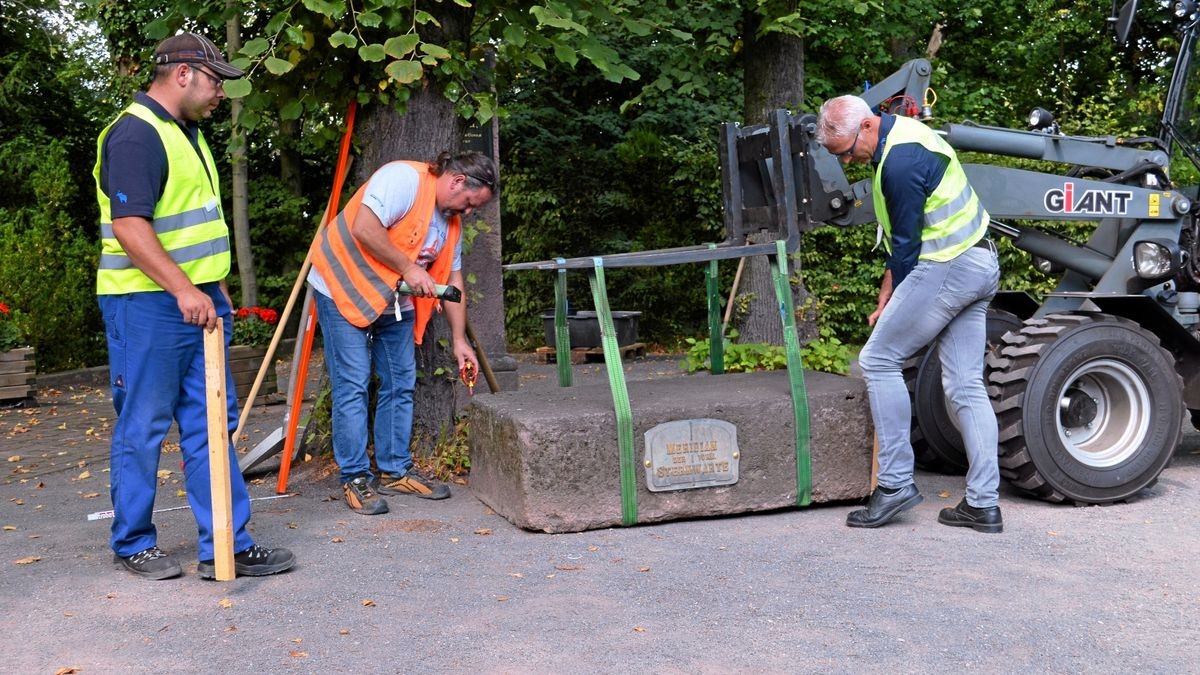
(193, 48)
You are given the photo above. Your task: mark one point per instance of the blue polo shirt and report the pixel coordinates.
(133, 162)
(908, 179)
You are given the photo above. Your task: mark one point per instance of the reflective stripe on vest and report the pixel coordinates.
(362, 286)
(341, 276)
(187, 218)
(954, 217)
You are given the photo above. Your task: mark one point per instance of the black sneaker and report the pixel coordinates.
(362, 498)
(411, 484)
(256, 561)
(152, 563)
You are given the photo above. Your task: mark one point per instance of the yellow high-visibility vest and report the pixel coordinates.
(187, 218)
(954, 217)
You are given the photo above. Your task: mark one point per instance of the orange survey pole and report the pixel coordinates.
(289, 442)
(310, 309)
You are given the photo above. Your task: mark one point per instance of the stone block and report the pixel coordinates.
(548, 459)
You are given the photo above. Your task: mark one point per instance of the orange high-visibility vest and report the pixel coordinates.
(363, 287)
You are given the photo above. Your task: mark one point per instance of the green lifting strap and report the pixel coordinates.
(562, 337)
(716, 341)
(616, 381)
(795, 366)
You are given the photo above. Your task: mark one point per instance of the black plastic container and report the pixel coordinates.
(584, 328)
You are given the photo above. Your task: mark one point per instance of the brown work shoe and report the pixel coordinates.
(411, 484)
(362, 498)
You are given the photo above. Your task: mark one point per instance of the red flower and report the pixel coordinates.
(3, 308)
(242, 313)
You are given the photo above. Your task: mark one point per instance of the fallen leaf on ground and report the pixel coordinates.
(68, 670)
(593, 549)
(944, 494)
(453, 540)
(483, 531)
(643, 569)
(231, 629)
(297, 640)
(16, 501)
(344, 631)
(1052, 533)
(85, 474)
(501, 598)
(337, 540)
(297, 655)
(91, 495)
(62, 427)
(516, 574)
(28, 561)
(567, 568)
(368, 603)
(639, 629)
(9, 528)
(14, 458)
(181, 493)
(291, 526)
(225, 603)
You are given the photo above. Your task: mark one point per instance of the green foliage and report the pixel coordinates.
(13, 328)
(841, 271)
(47, 262)
(594, 166)
(451, 454)
(826, 354)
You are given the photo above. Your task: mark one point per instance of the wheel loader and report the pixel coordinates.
(1093, 384)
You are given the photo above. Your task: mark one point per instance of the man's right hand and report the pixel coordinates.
(196, 307)
(420, 282)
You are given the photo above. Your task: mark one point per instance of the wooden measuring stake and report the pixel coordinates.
(218, 451)
(875, 463)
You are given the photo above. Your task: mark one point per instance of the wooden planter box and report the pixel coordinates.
(18, 374)
(244, 363)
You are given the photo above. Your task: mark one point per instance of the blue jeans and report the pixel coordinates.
(350, 353)
(156, 369)
(947, 303)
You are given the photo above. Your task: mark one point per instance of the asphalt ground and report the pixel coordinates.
(452, 587)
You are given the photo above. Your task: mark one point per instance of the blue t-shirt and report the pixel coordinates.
(910, 176)
(133, 161)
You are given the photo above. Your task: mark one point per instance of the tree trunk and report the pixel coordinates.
(773, 78)
(291, 165)
(429, 126)
(482, 262)
(240, 178)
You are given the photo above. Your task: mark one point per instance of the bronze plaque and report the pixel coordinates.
(690, 454)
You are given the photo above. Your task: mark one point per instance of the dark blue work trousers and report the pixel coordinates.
(156, 370)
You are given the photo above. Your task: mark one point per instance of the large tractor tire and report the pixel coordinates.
(936, 438)
(1089, 405)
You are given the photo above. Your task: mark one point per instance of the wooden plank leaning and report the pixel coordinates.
(218, 451)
